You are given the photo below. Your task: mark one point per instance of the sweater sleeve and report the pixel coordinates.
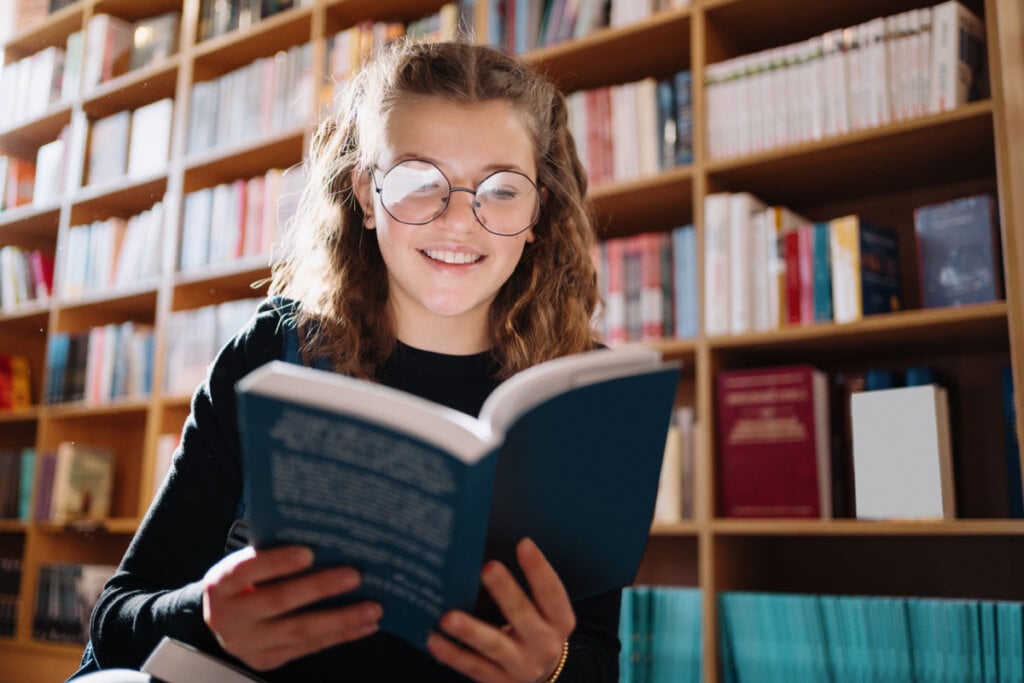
(156, 589)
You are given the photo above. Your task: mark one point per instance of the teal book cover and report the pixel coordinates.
(417, 496)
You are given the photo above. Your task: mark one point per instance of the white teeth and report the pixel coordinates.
(453, 257)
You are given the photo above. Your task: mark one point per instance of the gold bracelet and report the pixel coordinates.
(561, 663)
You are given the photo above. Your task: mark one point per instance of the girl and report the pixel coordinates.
(441, 245)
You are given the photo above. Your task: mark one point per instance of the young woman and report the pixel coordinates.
(441, 245)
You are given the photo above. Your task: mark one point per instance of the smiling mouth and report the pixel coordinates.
(452, 257)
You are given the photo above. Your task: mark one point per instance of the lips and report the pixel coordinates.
(452, 257)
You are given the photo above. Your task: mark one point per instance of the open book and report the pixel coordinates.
(567, 452)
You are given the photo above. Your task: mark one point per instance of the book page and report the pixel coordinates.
(542, 382)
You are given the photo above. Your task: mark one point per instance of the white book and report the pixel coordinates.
(836, 108)
(743, 206)
(150, 143)
(902, 454)
(176, 662)
(716, 264)
(958, 42)
(50, 172)
(923, 71)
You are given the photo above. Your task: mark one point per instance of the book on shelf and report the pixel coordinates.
(66, 595)
(958, 251)
(902, 453)
(20, 180)
(674, 502)
(83, 483)
(1013, 469)
(108, 148)
(150, 139)
(958, 63)
(865, 268)
(154, 39)
(774, 449)
(15, 382)
(108, 45)
(412, 490)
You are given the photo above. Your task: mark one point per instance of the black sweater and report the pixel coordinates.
(156, 590)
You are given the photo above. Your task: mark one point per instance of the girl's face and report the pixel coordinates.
(444, 275)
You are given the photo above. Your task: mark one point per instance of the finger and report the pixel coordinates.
(468, 663)
(272, 600)
(549, 594)
(514, 603)
(306, 632)
(248, 567)
(495, 644)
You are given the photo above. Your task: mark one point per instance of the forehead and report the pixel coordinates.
(458, 137)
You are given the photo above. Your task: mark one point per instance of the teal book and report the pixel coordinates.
(26, 472)
(418, 496)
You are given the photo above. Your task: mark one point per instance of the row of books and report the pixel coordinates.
(75, 484)
(10, 594)
(26, 277)
(794, 441)
(660, 635)
(649, 286)
(16, 482)
(108, 47)
(523, 25)
(349, 49)
(65, 597)
(631, 130)
(767, 267)
(133, 144)
(101, 364)
(778, 637)
(112, 254)
(218, 17)
(677, 482)
(269, 95)
(15, 382)
(237, 220)
(195, 336)
(889, 69)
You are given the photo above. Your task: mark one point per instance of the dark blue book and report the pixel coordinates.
(958, 252)
(417, 496)
(1013, 473)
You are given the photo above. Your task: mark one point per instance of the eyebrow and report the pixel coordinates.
(485, 171)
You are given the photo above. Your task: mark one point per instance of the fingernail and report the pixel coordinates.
(372, 612)
(302, 557)
(348, 579)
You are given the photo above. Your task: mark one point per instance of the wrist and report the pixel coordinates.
(561, 663)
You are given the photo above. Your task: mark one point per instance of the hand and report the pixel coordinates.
(250, 598)
(528, 648)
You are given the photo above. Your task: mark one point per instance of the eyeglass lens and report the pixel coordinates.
(417, 192)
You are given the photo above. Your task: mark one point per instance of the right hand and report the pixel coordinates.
(250, 600)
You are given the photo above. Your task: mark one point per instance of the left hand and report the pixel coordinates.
(528, 648)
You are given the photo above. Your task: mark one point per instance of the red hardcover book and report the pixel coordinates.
(791, 249)
(774, 451)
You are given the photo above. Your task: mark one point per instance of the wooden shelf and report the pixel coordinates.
(282, 150)
(29, 226)
(980, 327)
(971, 528)
(25, 138)
(936, 149)
(133, 89)
(881, 174)
(658, 46)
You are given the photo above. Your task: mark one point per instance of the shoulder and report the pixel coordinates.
(260, 340)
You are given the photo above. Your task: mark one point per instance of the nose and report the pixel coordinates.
(459, 215)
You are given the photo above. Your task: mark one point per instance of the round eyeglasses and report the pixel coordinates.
(415, 192)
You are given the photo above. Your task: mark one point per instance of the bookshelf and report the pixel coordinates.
(881, 173)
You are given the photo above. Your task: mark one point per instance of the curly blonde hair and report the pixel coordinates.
(333, 267)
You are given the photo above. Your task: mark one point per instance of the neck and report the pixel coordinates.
(456, 336)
